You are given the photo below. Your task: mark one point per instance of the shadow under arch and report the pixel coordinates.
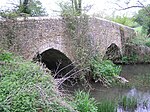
(56, 61)
(113, 53)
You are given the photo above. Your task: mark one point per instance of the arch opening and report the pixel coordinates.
(56, 61)
(113, 53)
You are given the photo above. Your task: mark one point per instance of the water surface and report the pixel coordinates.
(138, 87)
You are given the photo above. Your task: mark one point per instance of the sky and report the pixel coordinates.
(98, 6)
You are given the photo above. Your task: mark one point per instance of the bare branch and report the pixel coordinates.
(128, 7)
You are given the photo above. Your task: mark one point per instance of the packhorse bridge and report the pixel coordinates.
(55, 39)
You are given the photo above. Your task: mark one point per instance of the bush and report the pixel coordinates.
(104, 71)
(27, 87)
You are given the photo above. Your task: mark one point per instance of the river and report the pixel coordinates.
(138, 76)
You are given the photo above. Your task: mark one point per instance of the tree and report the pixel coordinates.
(77, 6)
(31, 8)
(143, 15)
(143, 19)
(72, 7)
(24, 6)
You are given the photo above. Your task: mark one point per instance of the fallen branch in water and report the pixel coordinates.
(122, 79)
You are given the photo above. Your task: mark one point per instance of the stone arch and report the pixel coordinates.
(55, 60)
(113, 52)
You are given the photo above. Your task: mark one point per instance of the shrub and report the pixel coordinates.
(104, 71)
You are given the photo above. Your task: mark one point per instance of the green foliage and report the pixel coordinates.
(6, 56)
(147, 43)
(128, 103)
(34, 9)
(84, 103)
(71, 8)
(125, 21)
(104, 71)
(143, 19)
(8, 13)
(141, 39)
(107, 106)
(132, 58)
(27, 87)
(67, 10)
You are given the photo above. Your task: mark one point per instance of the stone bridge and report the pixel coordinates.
(49, 38)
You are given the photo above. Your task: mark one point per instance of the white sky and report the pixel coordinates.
(98, 5)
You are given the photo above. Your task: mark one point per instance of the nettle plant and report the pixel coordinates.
(104, 71)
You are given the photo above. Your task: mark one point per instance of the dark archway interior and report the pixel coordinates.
(113, 53)
(56, 61)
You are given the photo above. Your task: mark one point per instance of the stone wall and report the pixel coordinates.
(30, 36)
(104, 33)
(137, 53)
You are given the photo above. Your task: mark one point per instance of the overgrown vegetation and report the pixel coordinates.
(26, 87)
(141, 39)
(104, 71)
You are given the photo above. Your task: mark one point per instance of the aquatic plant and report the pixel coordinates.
(128, 103)
(107, 106)
(84, 103)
